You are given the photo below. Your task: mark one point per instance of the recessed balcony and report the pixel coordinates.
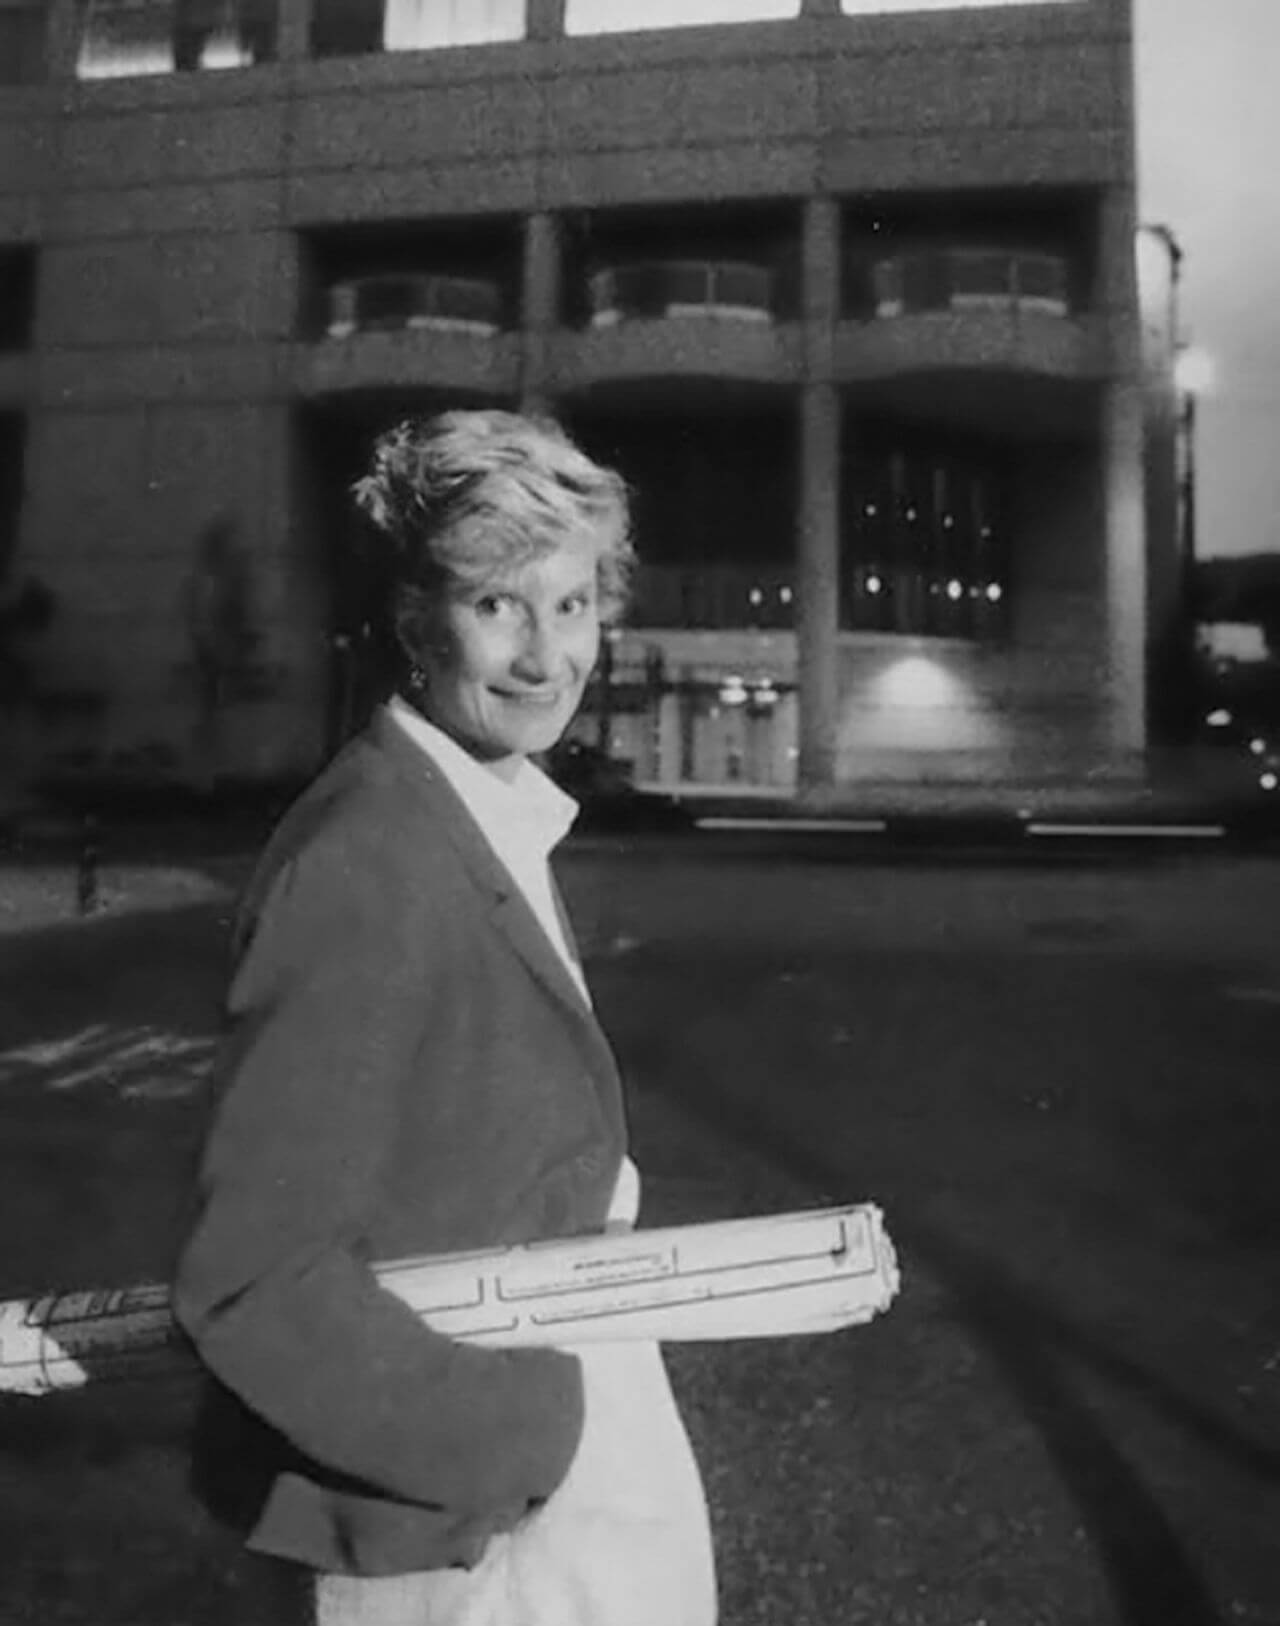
(677, 318)
(662, 290)
(402, 329)
(971, 279)
(989, 336)
(395, 302)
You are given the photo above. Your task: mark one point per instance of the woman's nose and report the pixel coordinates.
(541, 655)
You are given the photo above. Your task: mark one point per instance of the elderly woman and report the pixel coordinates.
(411, 1066)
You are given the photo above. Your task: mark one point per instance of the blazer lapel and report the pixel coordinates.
(510, 909)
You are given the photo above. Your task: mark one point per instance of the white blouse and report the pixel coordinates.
(625, 1540)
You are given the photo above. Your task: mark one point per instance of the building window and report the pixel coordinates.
(355, 27)
(121, 38)
(17, 297)
(864, 8)
(23, 25)
(629, 16)
(12, 441)
(926, 548)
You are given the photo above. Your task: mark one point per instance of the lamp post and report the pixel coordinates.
(1192, 376)
(1171, 506)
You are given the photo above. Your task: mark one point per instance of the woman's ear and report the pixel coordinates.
(408, 629)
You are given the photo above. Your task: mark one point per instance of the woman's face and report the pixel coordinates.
(506, 660)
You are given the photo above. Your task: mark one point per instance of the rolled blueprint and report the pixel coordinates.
(774, 1276)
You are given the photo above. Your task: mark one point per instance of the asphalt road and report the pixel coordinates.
(1058, 1078)
(1063, 1084)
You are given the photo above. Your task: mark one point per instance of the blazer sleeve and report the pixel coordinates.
(329, 1007)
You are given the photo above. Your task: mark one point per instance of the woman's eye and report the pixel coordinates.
(576, 604)
(492, 604)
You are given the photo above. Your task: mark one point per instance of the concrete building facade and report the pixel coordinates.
(849, 295)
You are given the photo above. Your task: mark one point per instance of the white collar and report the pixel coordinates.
(528, 811)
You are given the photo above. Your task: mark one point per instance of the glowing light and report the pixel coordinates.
(785, 594)
(955, 590)
(756, 596)
(733, 691)
(874, 584)
(911, 514)
(917, 681)
(1194, 371)
(1258, 746)
(1268, 780)
(948, 521)
(995, 592)
(870, 510)
(1219, 718)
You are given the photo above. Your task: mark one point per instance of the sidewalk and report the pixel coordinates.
(1208, 790)
(1198, 798)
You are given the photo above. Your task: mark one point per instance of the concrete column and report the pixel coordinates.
(540, 307)
(1125, 567)
(818, 576)
(1117, 283)
(544, 19)
(818, 594)
(293, 30)
(821, 283)
(1127, 571)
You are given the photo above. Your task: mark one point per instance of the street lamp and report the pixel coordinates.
(1170, 494)
(1167, 239)
(1192, 375)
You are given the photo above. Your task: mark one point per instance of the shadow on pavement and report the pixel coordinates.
(1152, 1577)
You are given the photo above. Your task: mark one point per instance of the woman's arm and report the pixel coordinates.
(329, 1007)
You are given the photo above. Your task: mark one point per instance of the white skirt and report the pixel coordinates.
(624, 1541)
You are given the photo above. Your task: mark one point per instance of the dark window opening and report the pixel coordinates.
(23, 29)
(13, 434)
(17, 297)
(926, 546)
(714, 509)
(359, 27)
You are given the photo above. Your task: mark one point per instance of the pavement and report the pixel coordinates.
(1059, 1080)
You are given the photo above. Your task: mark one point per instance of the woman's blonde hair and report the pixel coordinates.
(464, 494)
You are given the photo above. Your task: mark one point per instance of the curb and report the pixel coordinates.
(1250, 827)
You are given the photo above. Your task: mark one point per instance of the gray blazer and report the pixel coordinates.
(408, 1067)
